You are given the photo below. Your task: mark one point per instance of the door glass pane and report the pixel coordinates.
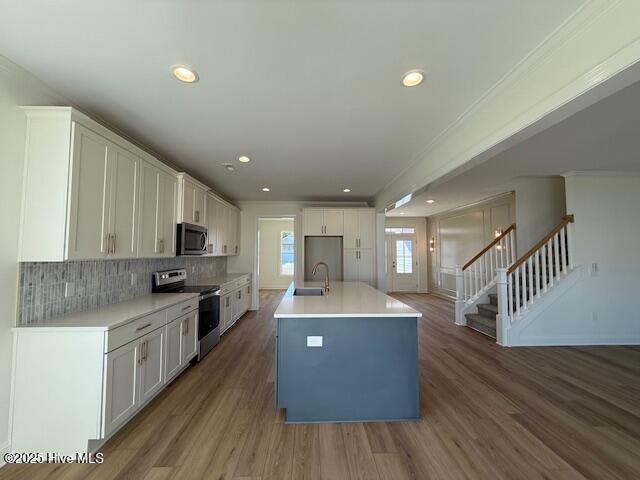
(404, 256)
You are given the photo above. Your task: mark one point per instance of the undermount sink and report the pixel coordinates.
(313, 292)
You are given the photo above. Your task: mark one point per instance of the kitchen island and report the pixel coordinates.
(347, 354)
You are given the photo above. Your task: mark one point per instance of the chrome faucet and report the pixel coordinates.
(326, 274)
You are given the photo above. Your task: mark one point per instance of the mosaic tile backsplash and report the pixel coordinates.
(97, 283)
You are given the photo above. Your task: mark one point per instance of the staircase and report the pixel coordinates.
(485, 320)
(502, 301)
(476, 280)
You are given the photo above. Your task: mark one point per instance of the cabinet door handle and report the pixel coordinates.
(186, 326)
(141, 347)
(196, 216)
(236, 248)
(143, 327)
(113, 244)
(107, 249)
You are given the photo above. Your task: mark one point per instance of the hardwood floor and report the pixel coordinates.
(487, 412)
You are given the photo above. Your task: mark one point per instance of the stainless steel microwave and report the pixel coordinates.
(191, 239)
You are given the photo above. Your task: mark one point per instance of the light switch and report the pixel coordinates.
(314, 341)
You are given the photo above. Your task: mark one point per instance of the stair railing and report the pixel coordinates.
(478, 275)
(532, 275)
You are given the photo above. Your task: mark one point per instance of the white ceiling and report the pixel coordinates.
(310, 90)
(603, 137)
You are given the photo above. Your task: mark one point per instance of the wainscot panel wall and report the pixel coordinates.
(461, 233)
(97, 283)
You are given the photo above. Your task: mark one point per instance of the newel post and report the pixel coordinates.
(460, 318)
(502, 319)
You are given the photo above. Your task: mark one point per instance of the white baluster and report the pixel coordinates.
(531, 293)
(512, 248)
(476, 280)
(510, 293)
(556, 256)
(569, 244)
(563, 251)
(487, 268)
(536, 260)
(517, 297)
(492, 270)
(543, 252)
(550, 261)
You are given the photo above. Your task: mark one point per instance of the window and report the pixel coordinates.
(404, 256)
(287, 253)
(399, 230)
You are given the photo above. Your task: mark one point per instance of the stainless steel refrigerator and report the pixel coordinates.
(323, 249)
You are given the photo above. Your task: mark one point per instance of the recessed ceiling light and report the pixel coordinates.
(184, 74)
(244, 159)
(266, 189)
(401, 213)
(346, 190)
(430, 200)
(412, 78)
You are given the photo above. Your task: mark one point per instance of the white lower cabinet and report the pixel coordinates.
(189, 337)
(151, 364)
(235, 301)
(174, 349)
(96, 379)
(121, 380)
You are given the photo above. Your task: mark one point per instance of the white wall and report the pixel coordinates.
(17, 87)
(601, 307)
(420, 225)
(540, 206)
(270, 234)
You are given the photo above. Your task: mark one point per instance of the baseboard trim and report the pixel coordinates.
(4, 448)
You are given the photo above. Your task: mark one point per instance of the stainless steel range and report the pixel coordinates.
(174, 281)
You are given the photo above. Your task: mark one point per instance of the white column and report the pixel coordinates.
(460, 320)
(502, 319)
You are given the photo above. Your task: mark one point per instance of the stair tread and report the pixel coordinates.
(488, 306)
(489, 322)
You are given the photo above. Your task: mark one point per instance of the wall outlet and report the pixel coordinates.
(134, 279)
(314, 341)
(69, 289)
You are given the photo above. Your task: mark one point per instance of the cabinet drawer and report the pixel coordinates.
(182, 309)
(136, 329)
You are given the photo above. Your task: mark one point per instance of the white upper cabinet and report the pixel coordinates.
(323, 222)
(89, 225)
(157, 226)
(192, 197)
(359, 228)
(223, 224)
(80, 199)
(125, 169)
(90, 194)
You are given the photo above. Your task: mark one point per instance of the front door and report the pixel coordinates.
(402, 275)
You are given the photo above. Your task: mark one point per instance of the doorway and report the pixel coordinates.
(276, 252)
(401, 262)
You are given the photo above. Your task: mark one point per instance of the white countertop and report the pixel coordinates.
(344, 299)
(111, 316)
(219, 280)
